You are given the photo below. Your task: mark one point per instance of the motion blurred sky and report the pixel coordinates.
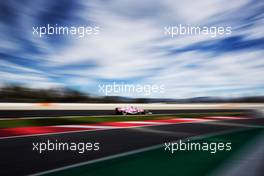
(132, 47)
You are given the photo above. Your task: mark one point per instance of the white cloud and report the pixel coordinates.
(131, 45)
(232, 73)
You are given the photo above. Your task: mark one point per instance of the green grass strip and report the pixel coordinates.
(96, 119)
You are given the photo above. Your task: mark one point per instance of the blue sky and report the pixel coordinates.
(132, 47)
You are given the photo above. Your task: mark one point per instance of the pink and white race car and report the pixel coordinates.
(131, 110)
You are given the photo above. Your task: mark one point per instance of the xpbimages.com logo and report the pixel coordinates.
(80, 147)
(212, 31)
(117, 88)
(211, 147)
(79, 31)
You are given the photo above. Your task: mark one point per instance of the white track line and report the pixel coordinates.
(144, 122)
(46, 134)
(81, 116)
(227, 117)
(88, 126)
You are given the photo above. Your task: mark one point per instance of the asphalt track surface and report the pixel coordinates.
(17, 157)
(57, 113)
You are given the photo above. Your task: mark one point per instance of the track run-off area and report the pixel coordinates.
(132, 145)
(58, 129)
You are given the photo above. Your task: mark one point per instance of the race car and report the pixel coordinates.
(131, 111)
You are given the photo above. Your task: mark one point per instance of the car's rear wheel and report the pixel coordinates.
(117, 112)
